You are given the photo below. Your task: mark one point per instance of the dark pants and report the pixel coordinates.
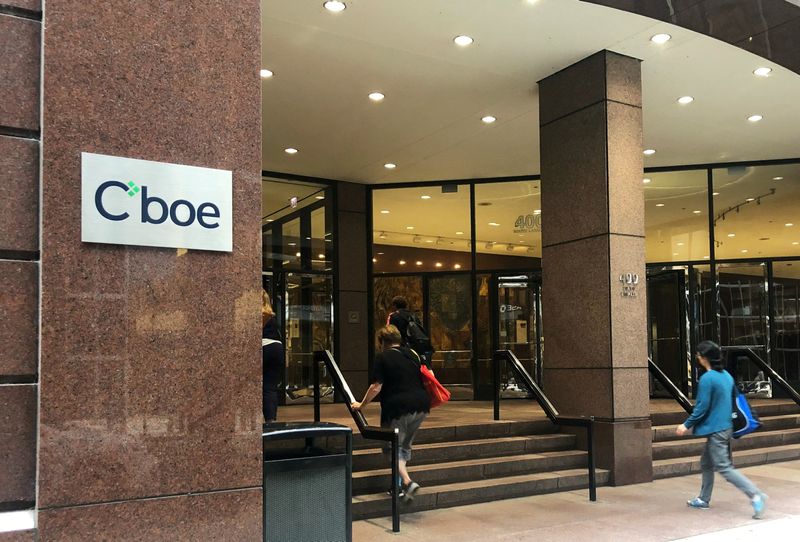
(270, 405)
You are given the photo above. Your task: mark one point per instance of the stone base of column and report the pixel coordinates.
(626, 449)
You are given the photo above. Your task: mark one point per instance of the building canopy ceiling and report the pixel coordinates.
(429, 124)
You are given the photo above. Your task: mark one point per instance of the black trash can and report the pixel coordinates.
(307, 482)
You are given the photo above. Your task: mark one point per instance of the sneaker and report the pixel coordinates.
(400, 494)
(697, 502)
(759, 503)
(409, 491)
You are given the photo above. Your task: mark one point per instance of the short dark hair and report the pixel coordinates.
(713, 353)
(399, 302)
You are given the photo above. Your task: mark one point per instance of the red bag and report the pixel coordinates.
(438, 393)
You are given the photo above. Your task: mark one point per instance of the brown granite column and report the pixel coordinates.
(593, 232)
(20, 65)
(352, 310)
(150, 412)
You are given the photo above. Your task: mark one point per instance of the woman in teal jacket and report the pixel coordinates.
(712, 418)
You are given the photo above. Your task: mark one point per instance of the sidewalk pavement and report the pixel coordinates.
(655, 511)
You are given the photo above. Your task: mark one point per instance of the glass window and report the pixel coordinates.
(508, 225)
(450, 328)
(421, 229)
(756, 211)
(676, 216)
(320, 241)
(291, 254)
(786, 351)
(386, 288)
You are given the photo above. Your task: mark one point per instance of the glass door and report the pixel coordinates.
(668, 324)
(743, 316)
(519, 327)
(449, 323)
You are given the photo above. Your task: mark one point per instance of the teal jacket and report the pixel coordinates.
(714, 406)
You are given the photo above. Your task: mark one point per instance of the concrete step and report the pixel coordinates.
(693, 446)
(772, 407)
(374, 481)
(371, 459)
(665, 433)
(452, 433)
(462, 493)
(681, 466)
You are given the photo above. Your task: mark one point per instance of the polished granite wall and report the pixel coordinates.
(768, 28)
(20, 53)
(150, 407)
(593, 232)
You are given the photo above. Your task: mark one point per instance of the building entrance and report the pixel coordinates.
(668, 327)
(519, 328)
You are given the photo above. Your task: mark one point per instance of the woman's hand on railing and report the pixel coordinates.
(355, 405)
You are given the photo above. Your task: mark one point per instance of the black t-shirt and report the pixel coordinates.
(402, 391)
(272, 364)
(400, 320)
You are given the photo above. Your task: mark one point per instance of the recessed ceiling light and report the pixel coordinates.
(755, 118)
(661, 38)
(335, 6)
(265, 73)
(731, 235)
(705, 257)
(649, 152)
(390, 165)
(409, 227)
(321, 256)
(750, 199)
(320, 197)
(647, 181)
(744, 251)
(292, 244)
(425, 197)
(796, 242)
(493, 224)
(376, 96)
(429, 240)
(290, 150)
(457, 266)
(298, 254)
(537, 211)
(683, 100)
(674, 253)
(402, 262)
(762, 72)
(697, 212)
(680, 244)
(788, 224)
(715, 194)
(374, 260)
(438, 264)
(384, 211)
(488, 119)
(419, 263)
(459, 233)
(777, 178)
(463, 41)
(659, 204)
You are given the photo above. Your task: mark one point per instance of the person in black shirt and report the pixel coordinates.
(404, 401)
(400, 317)
(272, 360)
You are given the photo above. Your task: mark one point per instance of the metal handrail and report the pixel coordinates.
(549, 409)
(767, 368)
(367, 431)
(669, 385)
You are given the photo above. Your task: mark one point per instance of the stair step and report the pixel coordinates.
(693, 446)
(681, 466)
(665, 433)
(453, 433)
(472, 469)
(775, 407)
(371, 459)
(462, 493)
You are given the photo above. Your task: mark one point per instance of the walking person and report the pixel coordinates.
(712, 418)
(412, 333)
(272, 360)
(404, 401)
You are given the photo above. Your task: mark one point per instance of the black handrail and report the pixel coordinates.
(368, 431)
(767, 368)
(548, 407)
(669, 385)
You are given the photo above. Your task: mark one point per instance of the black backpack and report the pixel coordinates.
(417, 339)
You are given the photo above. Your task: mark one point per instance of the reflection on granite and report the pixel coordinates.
(151, 363)
(230, 515)
(765, 27)
(19, 72)
(19, 302)
(17, 444)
